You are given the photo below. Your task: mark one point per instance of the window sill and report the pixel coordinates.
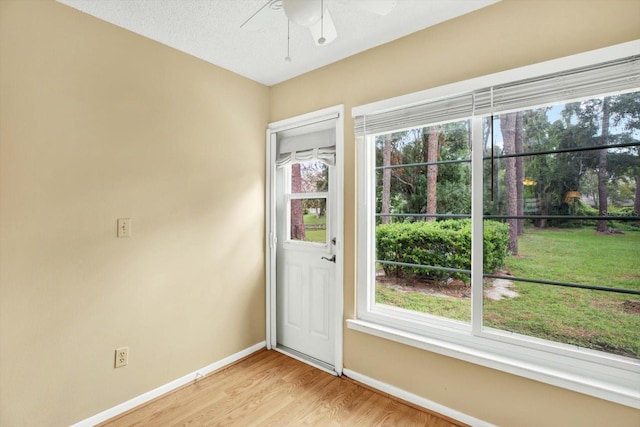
(619, 384)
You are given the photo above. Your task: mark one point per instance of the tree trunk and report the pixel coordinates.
(432, 172)
(519, 148)
(602, 169)
(636, 203)
(508, 128)
(297, 212)
(386, 180)
(545, 204)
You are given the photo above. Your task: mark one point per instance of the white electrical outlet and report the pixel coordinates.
(124, 227)
(122, 357)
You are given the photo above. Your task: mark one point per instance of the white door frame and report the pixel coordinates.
(337, 113)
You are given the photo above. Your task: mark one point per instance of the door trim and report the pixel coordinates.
(337, 113)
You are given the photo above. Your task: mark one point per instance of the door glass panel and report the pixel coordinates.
(308, 220)
(309, 177)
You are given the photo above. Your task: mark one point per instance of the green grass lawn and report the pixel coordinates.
(579, 256)
(592, 319)
(311, 219)
(451, 308)
(318, 235)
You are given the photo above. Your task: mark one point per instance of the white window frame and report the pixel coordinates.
(607, 376)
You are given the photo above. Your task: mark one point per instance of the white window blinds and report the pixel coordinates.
(438, 111)
(326, 155)
(308, 143)
(572, 85)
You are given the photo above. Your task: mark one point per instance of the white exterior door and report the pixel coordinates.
(304, 317)
(305, 272)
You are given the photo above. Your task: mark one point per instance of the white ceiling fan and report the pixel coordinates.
(313, 14)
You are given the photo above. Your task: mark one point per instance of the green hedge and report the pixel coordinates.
(438, 243)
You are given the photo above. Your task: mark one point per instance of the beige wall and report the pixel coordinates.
(507, 35)
(97, 123)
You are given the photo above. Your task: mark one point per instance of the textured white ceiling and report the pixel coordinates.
(210, 30)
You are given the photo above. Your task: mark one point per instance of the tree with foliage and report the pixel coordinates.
(602, 121)
(603, 195)
(626, 114)
(508, 124)
(432, 153)
(315, 179)
(297, 211)
(386, 180)
(519, 148)
(412, 187)
(539, 168)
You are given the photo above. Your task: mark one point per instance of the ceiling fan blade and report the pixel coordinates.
(324, 28)
(379, 7)
(262, 17)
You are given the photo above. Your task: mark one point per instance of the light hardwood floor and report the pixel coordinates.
(271, 389)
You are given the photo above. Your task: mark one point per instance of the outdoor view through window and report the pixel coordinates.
(561, 222)
(309, 183)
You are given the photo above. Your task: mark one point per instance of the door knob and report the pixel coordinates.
(332, 259)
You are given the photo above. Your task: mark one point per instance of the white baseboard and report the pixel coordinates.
(150, 395)
(416, 400)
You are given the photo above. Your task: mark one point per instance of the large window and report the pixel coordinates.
(499, 222)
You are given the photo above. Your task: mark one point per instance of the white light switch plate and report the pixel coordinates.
(124, 227)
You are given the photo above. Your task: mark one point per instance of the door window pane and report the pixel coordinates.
(309, 177)
(308, 220)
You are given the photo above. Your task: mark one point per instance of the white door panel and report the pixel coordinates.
(304, 301)
(291, 292)
(305, 285)
(319, 303)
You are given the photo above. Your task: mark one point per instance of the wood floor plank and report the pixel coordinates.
(304, 393)
(271, 389)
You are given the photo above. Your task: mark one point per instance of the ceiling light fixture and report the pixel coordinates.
(303, 12)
